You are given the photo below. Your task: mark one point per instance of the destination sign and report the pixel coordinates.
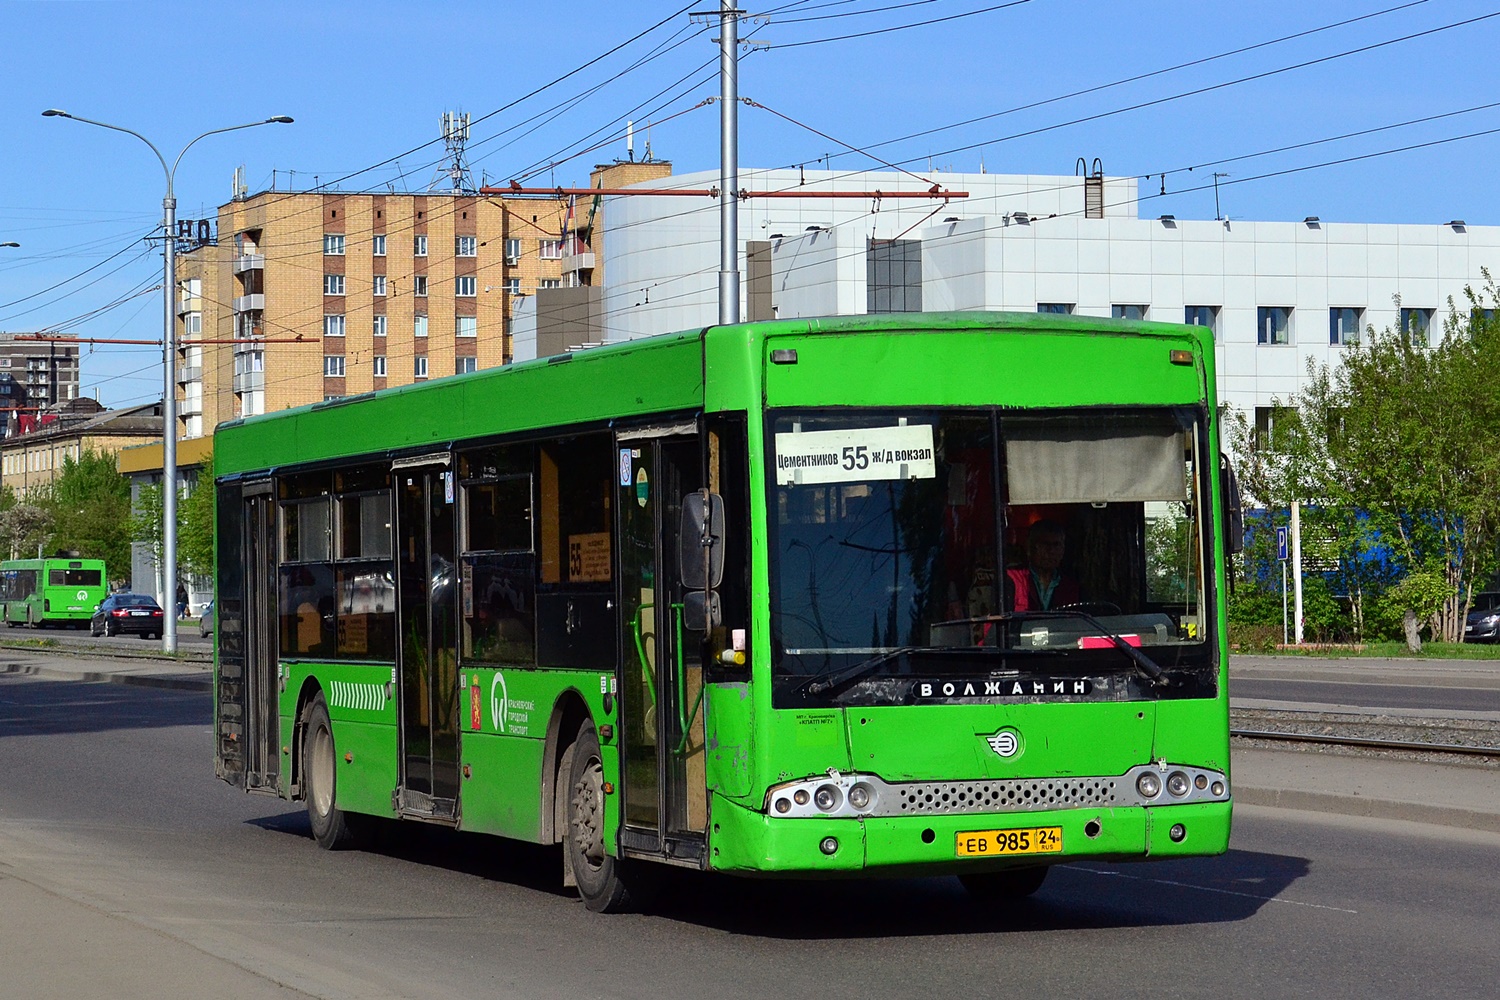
(1026, 687)
(855, 455)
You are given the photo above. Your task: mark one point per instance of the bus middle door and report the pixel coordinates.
(427, 650)
(661, 714)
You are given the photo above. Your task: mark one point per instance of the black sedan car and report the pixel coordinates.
(118, 614)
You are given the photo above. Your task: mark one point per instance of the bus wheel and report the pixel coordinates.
(319, 779)
(1016, 883)
(602, 880)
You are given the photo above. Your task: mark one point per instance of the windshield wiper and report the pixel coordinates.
(1142, 662)
(827, 682)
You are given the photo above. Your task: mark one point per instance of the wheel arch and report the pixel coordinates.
(310, 689)
(569, 713)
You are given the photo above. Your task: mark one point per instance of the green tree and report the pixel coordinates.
(1395, 445)
(85, 503)
(25, 525)
(195, 523)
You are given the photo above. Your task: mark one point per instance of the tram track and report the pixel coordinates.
(1469, 740)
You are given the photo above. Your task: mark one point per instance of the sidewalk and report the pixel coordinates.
(1457, 795)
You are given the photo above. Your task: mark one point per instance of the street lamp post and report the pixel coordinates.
(169, 357)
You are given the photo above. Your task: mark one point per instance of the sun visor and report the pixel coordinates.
(1078, 466)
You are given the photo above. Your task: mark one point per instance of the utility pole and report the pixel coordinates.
(729, 164)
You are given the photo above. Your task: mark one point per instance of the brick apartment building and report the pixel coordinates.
(344, 293)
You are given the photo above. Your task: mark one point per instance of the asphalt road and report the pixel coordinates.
(127, 870)
(1456, 687)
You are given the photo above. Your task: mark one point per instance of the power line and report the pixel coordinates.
(902, 27)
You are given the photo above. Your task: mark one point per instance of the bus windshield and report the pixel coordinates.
(932, 542)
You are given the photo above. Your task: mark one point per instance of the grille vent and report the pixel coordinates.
(948, 797)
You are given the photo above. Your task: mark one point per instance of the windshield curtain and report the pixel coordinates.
(894, 529)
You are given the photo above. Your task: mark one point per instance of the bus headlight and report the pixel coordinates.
(1148, 784)
(827, 798)
(859, 796)
(1178, 784)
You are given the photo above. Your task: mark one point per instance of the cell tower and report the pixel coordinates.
(456, 165)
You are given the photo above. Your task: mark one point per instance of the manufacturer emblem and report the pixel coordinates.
(1005, 742)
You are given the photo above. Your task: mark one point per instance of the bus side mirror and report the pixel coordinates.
(700, 542)
(1234, 515)
(701, 610)
(700, 559)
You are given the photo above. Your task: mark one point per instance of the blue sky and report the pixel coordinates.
(367, 82)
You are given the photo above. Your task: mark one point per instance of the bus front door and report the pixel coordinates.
(661, 721)
(426, 656)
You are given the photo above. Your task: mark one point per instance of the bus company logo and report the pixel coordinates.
(83, 595)
(498, 700)
(1005, 742)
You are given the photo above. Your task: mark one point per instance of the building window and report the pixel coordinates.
(192, 324)
(550, 249)
(465, 246)
(893, 276)
(419, 284)
(513, 286)
(1128, 312)
(549, 283)
(333, 365)
(1343, 326)
(333, 326)
(380, 326)
(1416, 325)
(1055, 308)
(467, 326)
(377, 245)
(419, 366)
(378, 365)
(465, 286)
(333, 244)
(419, 246)
(1273, 325)
(1201, 316)
(462, 366)
(333, 284)
(1271, 426)
(377, 284)
(419, 325)
(512, 251)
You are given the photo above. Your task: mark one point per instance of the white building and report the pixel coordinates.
(1276, 293)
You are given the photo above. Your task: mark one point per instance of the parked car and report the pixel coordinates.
(128, 613)
(206, 620)
(1482, 626)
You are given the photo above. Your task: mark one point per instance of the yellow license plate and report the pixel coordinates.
(1000, 843)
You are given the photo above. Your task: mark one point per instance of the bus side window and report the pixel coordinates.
(498, 562)
(575, 574)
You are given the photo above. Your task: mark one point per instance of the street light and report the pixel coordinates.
(169, 357)
(10, 243)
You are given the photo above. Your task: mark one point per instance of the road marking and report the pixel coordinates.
(1204, 888)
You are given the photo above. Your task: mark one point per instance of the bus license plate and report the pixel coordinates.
(999, 843)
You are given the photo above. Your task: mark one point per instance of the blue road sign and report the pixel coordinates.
(1281, 543)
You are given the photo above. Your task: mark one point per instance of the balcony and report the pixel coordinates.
(190, 407)
(578, 262)
(250, 303)
(190, 373)
(189, 304)
(249, 262)
(249, 381)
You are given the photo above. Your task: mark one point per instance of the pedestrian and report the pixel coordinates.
(182, 602)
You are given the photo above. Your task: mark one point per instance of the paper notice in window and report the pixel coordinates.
(857, 455)
(588, 558)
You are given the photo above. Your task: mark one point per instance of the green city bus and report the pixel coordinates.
(54, 591)
(746, 599)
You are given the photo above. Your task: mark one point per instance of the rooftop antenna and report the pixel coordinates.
(240, 187)
(1217, 213)
(647, 158)
(455, 135)
(630, 140)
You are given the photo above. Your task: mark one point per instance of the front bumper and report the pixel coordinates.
(748, 841)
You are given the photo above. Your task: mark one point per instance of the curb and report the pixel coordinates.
(101, 677)
(1359, 805)
(108, 652)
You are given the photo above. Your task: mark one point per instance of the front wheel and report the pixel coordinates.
(330, 826)
(607, 884)
(1014, 883)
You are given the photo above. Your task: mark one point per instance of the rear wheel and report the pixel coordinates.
(607, 884)
(332, 828)
(109, 629)
(1015, 883)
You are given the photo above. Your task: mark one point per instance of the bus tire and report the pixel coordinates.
(330, 826)
(607, 884)
(1013, 883)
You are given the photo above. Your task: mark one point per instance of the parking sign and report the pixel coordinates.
(1281, 543)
